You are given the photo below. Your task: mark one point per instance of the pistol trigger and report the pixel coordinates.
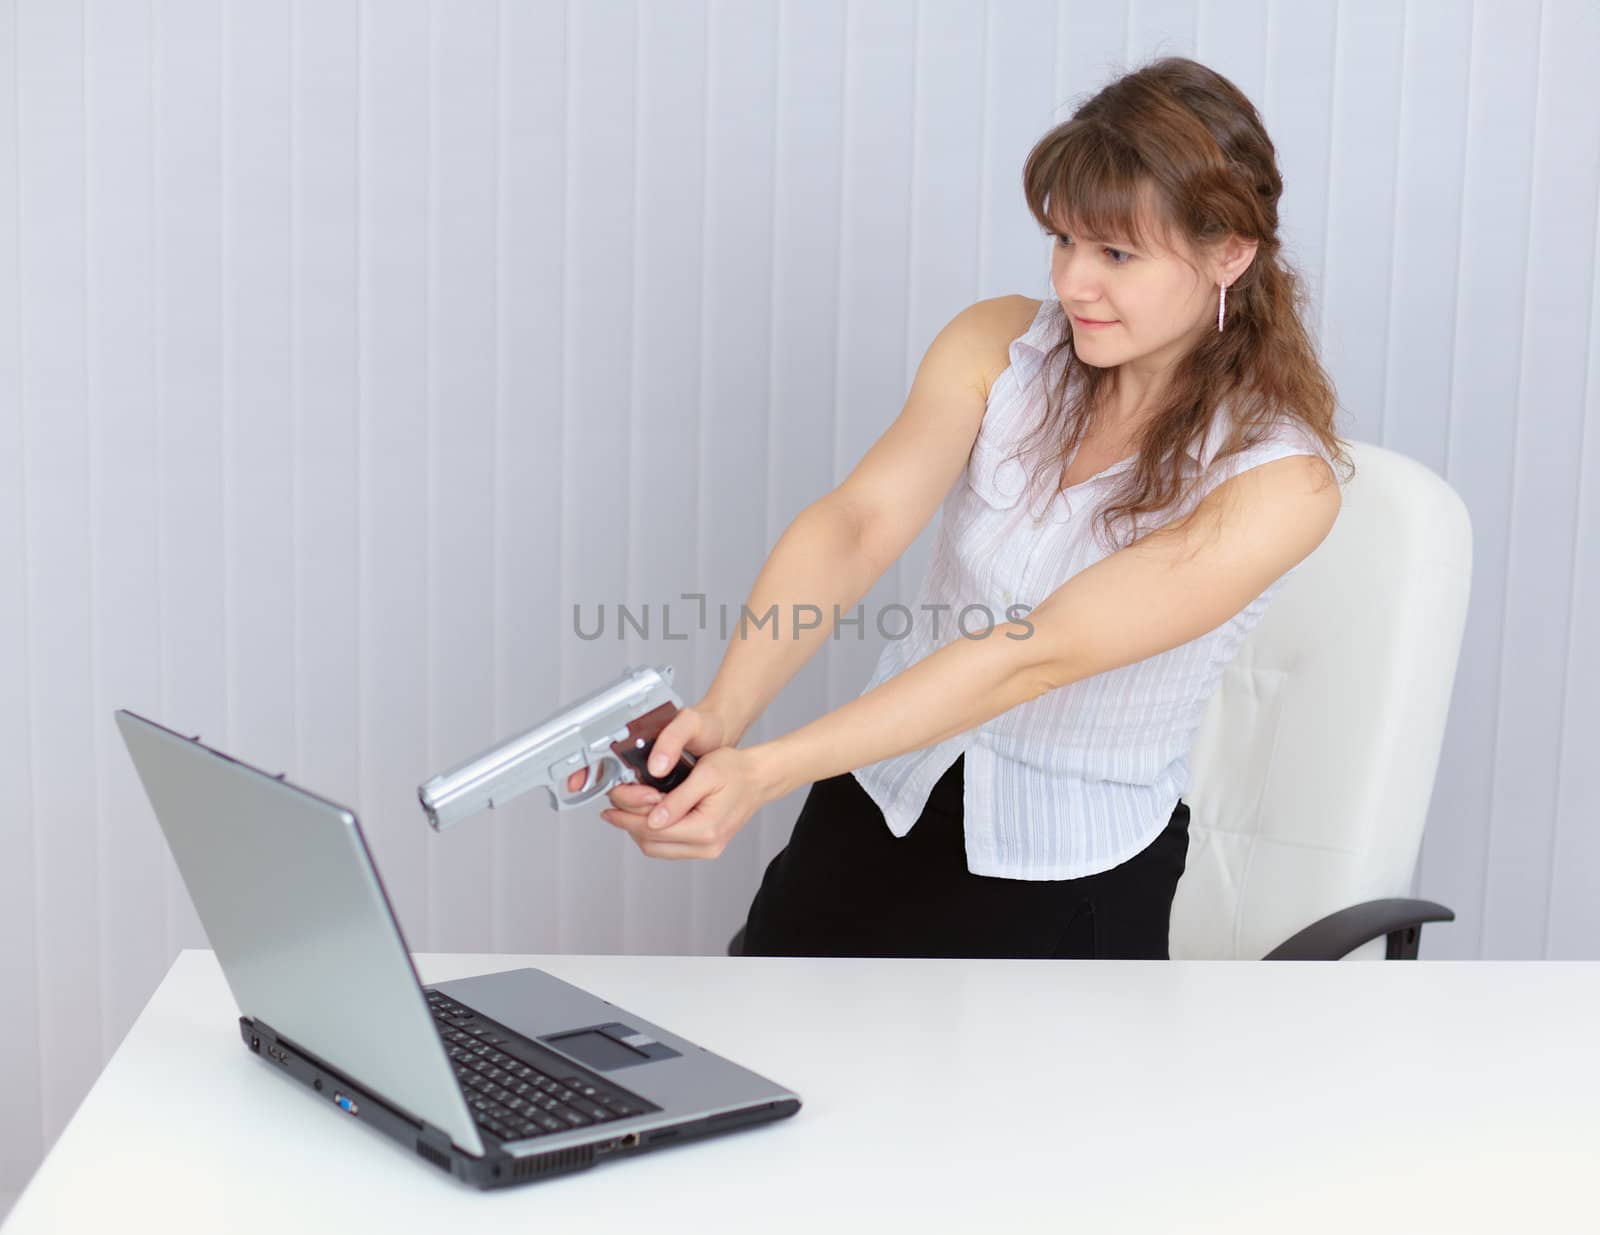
(563, 768)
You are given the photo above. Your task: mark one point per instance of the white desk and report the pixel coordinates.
(985, 1096)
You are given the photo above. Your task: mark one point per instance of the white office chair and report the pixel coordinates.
(1313, 766)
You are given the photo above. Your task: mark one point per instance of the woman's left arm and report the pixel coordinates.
(1159, 593)
(949, 691)
(956, 688)
(1167, 588)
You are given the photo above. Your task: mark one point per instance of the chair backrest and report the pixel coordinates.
(1314, 764)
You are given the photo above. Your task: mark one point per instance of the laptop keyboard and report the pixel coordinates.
(509, 1096)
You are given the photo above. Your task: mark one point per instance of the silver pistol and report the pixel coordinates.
(610, 732)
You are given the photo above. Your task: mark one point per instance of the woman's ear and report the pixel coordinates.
(1235, 259)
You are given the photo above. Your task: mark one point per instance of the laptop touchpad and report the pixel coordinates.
(602, 1050)
(559, 1015)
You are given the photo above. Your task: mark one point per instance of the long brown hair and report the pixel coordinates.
(1182, 142)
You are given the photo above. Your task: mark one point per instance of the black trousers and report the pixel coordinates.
(847, 886)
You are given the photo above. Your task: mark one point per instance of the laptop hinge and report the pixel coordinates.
(437, 1141)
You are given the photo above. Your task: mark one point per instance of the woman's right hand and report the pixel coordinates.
(699, 730)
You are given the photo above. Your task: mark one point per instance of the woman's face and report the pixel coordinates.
(1157, 305)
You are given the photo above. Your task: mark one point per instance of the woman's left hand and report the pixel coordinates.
(702, 814)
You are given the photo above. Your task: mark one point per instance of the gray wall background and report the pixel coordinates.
(345, 346)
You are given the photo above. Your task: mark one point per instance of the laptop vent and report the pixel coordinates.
(551, 1164)
(430, 1154)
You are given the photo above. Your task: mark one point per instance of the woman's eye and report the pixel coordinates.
(1118, 257)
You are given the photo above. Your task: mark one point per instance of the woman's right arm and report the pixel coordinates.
(822, 559)
(840, 545)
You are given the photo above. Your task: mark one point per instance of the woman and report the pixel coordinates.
(1015, 789)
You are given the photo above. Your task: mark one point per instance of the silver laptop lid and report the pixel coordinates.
(294, 909)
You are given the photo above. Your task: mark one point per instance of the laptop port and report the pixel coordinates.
(345, 1104)
(627, 1141)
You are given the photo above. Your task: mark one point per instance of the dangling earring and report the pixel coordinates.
(1222, 299)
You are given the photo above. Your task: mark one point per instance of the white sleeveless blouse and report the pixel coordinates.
(1086, 776)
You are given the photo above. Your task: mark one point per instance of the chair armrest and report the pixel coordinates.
(1343, 932)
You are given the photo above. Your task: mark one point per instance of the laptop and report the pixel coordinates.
(503, 1079)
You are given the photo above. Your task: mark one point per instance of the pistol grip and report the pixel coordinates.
(640, 739)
